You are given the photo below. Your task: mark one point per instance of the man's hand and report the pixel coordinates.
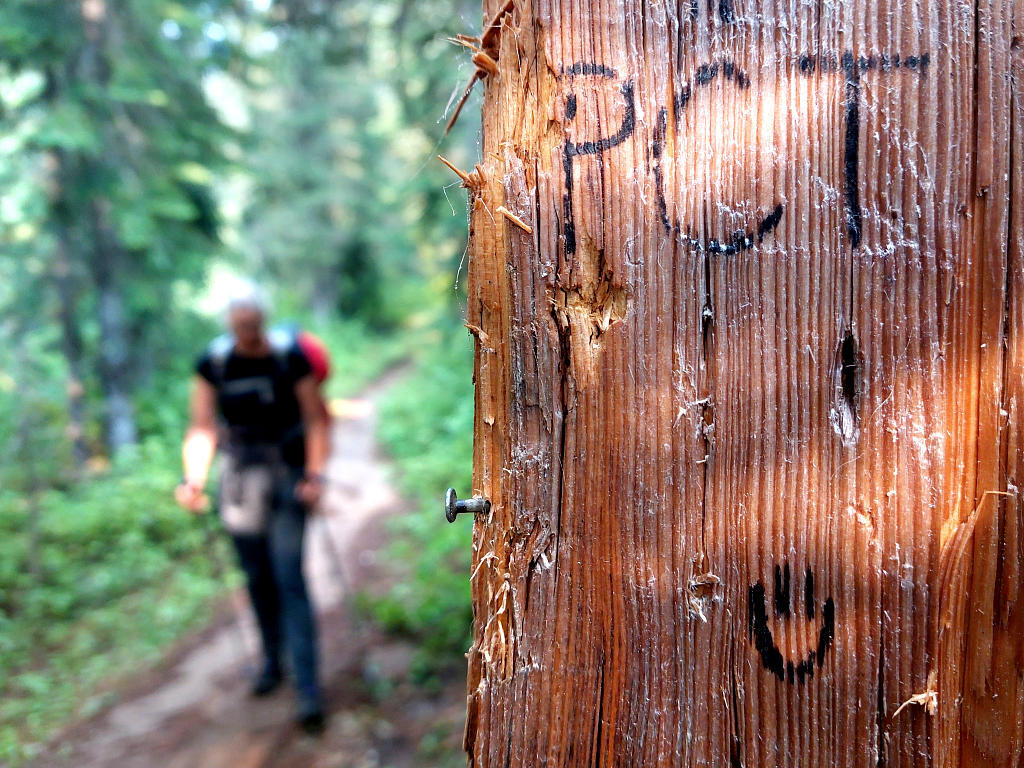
(191, 498)
(198, 448)
(309, 490)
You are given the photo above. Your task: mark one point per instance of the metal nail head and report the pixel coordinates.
(454, 507)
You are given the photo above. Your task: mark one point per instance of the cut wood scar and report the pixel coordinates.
(493, 27)
(479, 332)
(701, 593)
(515, 219)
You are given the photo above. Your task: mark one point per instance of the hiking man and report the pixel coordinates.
(255, 398)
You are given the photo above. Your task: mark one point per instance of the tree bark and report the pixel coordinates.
(114, 353)
(108, 257)
(64, 276)
(71, 345)
(25, 455)
(749, 385)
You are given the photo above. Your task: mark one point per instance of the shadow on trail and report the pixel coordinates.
(193, 710)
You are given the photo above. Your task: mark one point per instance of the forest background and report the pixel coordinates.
(151, 154)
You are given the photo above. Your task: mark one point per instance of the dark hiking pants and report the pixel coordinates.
(272, 562)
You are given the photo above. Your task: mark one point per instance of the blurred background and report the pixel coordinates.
(152, 153)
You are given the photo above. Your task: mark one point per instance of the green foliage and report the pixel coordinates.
(138, 158)
(106, 224)
(109, 147)
(114, 573)
(359, 354)
(427, 426)
(161, 401)
(360, 91)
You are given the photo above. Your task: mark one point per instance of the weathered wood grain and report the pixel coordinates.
(747, 402)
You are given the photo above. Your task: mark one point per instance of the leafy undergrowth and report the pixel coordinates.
(116, 574)
(99, 577)
(359, 356)
(426, 424)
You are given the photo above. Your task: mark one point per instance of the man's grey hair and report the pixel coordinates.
(248, 295)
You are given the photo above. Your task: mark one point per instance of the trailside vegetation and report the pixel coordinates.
(151, 151)
(427, 426)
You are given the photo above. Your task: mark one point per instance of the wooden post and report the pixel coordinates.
(749, 385)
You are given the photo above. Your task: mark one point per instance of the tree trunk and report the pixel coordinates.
(748, 394)
(107, 258)
(71, 344)
(26, 440)
(64, 278)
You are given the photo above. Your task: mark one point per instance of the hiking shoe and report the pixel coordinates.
(266, 682)
(310, 713)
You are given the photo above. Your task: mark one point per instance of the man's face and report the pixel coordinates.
(247, 326)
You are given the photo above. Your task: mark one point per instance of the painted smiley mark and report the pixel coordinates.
(772, 658)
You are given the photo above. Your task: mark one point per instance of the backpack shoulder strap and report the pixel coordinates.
(219, 351)
(282, 342)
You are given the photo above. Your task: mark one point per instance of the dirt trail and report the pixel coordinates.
(194, 710)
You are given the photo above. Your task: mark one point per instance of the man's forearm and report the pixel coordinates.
(197, 455)
(316, 447)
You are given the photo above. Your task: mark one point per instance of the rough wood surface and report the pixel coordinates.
(748, 395)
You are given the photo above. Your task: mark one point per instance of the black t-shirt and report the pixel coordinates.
(256, 400)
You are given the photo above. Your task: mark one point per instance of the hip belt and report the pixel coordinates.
(249, 475)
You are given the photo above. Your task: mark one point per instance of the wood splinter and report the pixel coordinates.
(929, 699)
(460, 173)
(481, 60)
(462, 101)
(485, 67)
(485, 64)
(473, 181)
(468, 41)
(493, 27)
(481, 335)
(515, 219)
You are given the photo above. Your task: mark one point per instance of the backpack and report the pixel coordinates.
(282, 341)
(316, 355)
